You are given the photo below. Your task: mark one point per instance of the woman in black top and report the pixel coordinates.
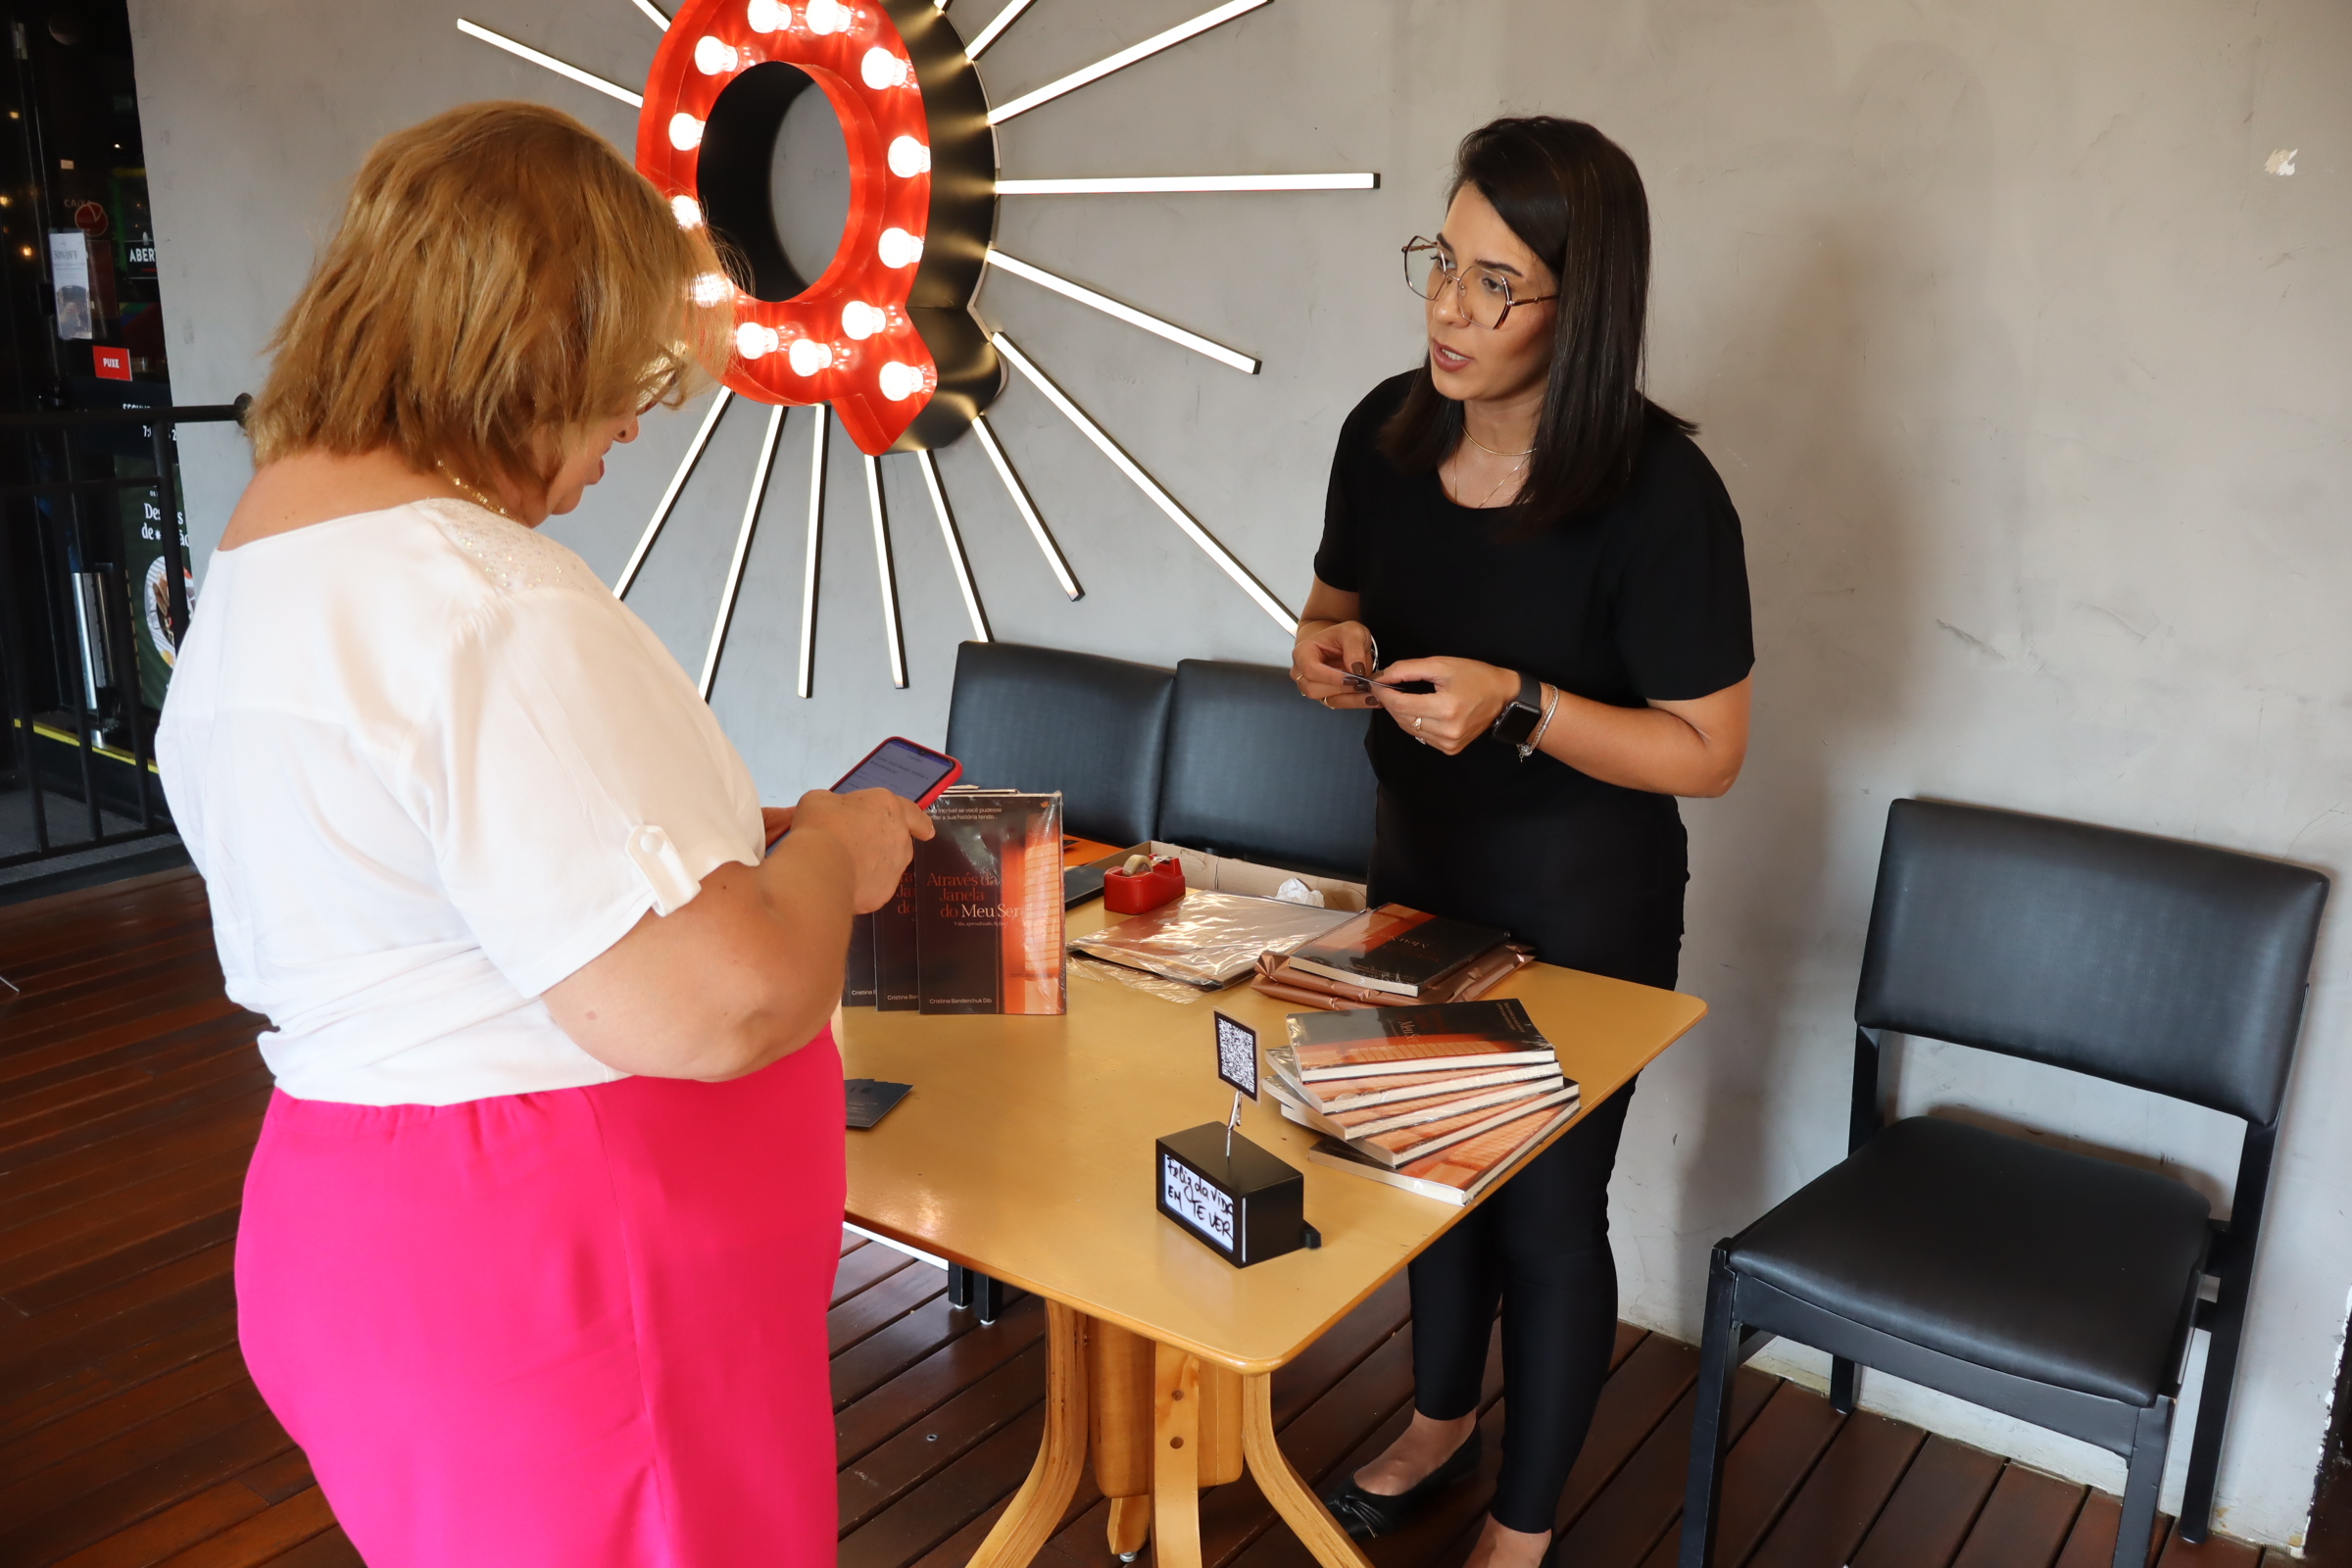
(1547, 561)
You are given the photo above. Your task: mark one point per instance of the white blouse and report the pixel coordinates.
(428, 766)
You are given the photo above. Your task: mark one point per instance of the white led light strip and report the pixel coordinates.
(1020, 502)
(1125, 313)
(817, 523)
(947, 531)
(1184, 184)
(742, 549)
(890, 589)
(1123, 59)
(525, 52)
(988, 35)
(1144, 482)
(669, 497)
(659, 21)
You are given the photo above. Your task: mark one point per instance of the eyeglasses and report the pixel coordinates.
(1481, 294)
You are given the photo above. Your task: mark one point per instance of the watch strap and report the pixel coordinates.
(1520, 715)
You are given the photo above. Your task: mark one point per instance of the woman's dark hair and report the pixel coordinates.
(1576, 200)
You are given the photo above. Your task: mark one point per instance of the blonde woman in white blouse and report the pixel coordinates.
(538, 1240)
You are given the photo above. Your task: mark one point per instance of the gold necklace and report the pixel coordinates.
(480, 498)
(1487, 450)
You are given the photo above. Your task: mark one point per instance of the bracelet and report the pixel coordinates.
(1537, 739)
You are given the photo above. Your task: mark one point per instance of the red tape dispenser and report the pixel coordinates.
(1144, 883)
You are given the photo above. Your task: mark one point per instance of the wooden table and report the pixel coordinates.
(1026, 1153)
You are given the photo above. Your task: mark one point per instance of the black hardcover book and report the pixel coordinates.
(898, 964)
(959, 911)
(1396, 950)
(857, 975)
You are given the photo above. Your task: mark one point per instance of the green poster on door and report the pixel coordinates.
(144, 574)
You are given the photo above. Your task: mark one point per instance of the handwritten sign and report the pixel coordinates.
(1187, 1196)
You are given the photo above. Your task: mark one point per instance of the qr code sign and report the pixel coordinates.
(1237, 1055)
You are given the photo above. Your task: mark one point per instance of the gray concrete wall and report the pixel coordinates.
(2027, 376)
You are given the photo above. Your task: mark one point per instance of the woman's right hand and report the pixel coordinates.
(874, 829)
(1325, 655)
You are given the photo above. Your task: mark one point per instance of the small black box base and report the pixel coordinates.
(1245, 1205)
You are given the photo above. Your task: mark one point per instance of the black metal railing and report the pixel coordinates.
(68, 573)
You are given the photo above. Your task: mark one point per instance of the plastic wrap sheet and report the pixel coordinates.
(1103, 972)
(1207, 939)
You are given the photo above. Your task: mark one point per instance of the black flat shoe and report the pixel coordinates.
(1367, 1514)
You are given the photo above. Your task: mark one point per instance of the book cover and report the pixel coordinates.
(857, 973)
(989, 906)
(897, 984)
(1396, 950)
(1358, 1125)
(1380, 1119)
(1034, 955)
(1456, 1175)
(1406, 1088)
(1406, 1145)
(959, 909)
(1382, 1042)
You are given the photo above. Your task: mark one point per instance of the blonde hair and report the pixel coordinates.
(500, 275)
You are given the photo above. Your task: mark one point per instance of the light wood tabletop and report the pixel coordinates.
(1026, 1153)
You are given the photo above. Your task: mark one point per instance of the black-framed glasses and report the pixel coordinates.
(1481, 295)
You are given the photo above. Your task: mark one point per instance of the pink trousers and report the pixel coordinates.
(583, 1328)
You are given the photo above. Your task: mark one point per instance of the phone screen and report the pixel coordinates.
(899, 768)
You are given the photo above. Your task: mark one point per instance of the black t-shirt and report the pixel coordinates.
(1646, 598)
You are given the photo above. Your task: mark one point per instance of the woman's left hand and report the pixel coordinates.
(1469, 697)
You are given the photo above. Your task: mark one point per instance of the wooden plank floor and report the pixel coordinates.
(131, 1096)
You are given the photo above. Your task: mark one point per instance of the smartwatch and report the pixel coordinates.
(1521, 713)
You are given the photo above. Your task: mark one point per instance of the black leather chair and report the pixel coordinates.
(1041, 718)
(1258, 771)
(2053, 1286)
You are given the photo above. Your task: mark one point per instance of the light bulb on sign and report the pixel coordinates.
(687, 211)
(899, 381)
(881, 68)
(685, 132)
(753, 340)
(713, 58)
(908, 158)
(713, 288)
(897, 248)
(862, 320)
(808, 356)
(768, 16)
(829, 17)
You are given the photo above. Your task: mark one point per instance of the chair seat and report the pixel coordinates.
(2030, 1260)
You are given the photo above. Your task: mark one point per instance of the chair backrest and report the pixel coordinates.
(1255, 771)
(2150, 962)
(1041, 718)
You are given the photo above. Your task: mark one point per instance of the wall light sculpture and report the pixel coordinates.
(886, 335)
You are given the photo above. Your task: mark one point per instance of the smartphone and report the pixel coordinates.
(902, 767)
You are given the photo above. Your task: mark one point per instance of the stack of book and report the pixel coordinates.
(1389, 956)
(1437, 1100)
(977, 923)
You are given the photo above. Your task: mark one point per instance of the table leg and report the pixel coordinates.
(1119, 1369)
(1176, 1459)
(1284, 1488)
(1130, 1526)
(1060, 1458)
